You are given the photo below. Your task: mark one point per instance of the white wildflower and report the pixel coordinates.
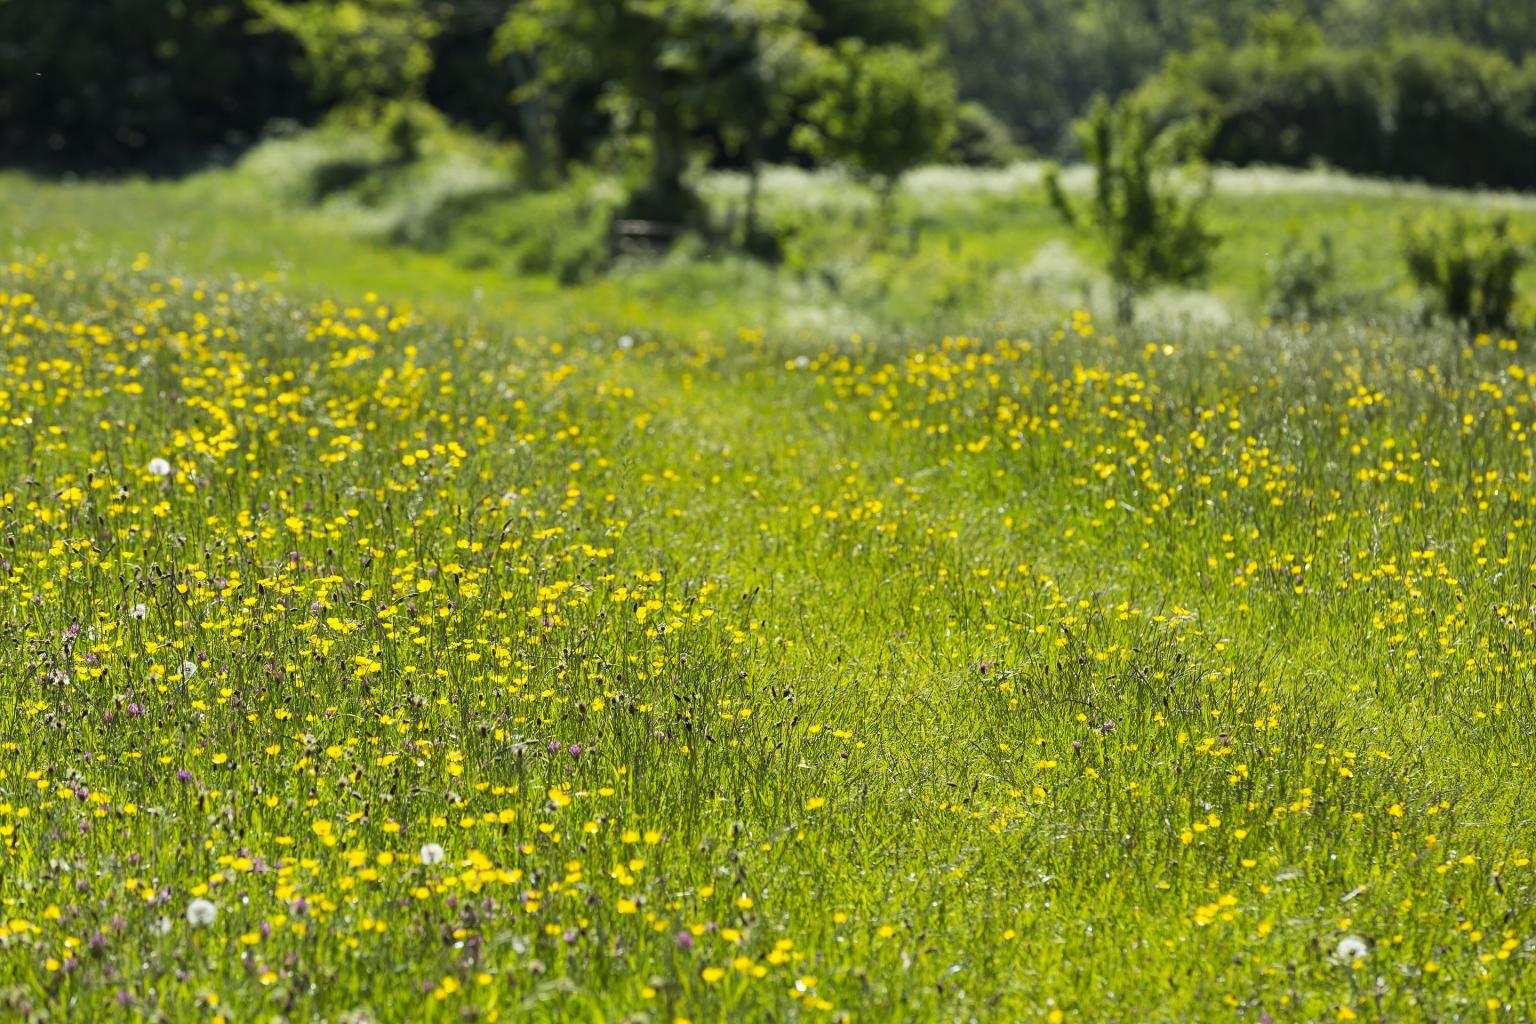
(201, 913)
(159, 467)
(1350, 949)
(431, 853)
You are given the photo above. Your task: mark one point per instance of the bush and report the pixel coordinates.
(1303, 281)
(1466, 268)
(308, 167)
(562, 233)
(1283, 98)
(352, 159)
(981, 140)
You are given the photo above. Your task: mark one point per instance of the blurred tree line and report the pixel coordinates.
(1037, 64)
(1438, 89)
(1429, 108)
(108, 84)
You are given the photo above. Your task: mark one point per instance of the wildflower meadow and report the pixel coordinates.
(368, 662)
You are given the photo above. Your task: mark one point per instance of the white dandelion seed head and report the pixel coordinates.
(1350, 949)
(138, 611)
(160, 925)
(188, 669)
(201, 913)
(159, 467)
(626, 343)
(431, 853)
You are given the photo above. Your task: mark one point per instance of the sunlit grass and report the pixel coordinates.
(381, 663)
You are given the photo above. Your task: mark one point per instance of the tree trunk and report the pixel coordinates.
(1125, 304)
(885, 191)
(665, 198)
(539, 143)
(754, 184)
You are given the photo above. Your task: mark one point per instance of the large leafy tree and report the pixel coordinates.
(879, 110)
(678, 65)
(368, 58)
(359, 51)
(758, 53)
(917, 24)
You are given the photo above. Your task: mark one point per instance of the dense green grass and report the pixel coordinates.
(1174, 674)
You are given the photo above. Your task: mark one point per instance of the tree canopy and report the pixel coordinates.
(162, 84)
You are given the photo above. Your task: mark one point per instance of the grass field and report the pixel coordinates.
(471, 649)
(972, 252)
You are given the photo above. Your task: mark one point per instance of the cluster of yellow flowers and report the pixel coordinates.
(676, 679)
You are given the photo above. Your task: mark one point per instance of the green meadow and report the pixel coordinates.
(885, 635)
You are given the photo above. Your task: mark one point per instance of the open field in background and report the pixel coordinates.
(973, 250)
(707, 642)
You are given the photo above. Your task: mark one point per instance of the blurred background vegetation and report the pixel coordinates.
(162, 85)
(566, 139)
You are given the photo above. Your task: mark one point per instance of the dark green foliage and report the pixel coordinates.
(1283, 98)
(1038, 63)
(108, 84)
(1429, 109)
(670, 69)
(1149, 195)
(1460, 116)
(908, 23)
(879, 110)
(1425, 89)
(1466, 267)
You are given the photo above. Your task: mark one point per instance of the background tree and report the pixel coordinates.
(1149, 194)
(138, 83)
(681, 65)
(366, 57)
(166, 84)
(879, 110)
(754, 55)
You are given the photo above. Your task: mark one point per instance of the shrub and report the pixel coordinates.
(562, 233)
(1303, 281)
(311, 166)
(1150, 190)
(981, 140)
(1467, 268)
